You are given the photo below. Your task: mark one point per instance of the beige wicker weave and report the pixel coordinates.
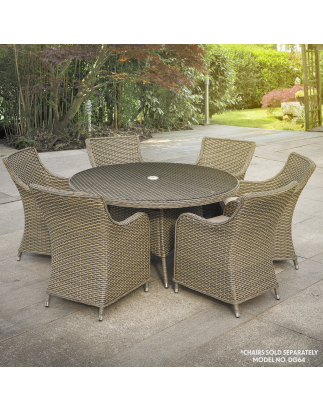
(95, 260)
(231, 260)
(26, 168)
(233, 156)
(177, 187)
(297, 168)
(113, 150)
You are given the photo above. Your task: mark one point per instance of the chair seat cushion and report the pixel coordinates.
(227, 200)
(218, 219)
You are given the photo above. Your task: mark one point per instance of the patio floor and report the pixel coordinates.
(161, 328)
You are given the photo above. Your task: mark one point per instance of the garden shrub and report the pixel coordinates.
(275, 97)
(259, 70)
(221, 75)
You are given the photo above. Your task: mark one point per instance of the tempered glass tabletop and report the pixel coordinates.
(156, 185)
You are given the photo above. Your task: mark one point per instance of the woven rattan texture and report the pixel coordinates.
(162, 225)
(297, 168)
(113, 150)
(95, 260)
(178, 185)
(233, 156)
(25, 168)
(231, 261)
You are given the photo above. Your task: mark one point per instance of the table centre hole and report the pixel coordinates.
(153, 178)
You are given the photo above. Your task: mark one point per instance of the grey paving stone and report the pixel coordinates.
(82, 340)
(5, 150)
(309, 273)
(313, 193)
(5, 208)
(302, 313)
(35, 315)
(229, 349)
(23, 296)
(40, 264)
(9, 244)
(308, 206)
(15, 276)
(318, 258)
(280, 266)
(207, 325)
(8, 330)
(8, 227)
(156, 351)
(308, 237)
(28, 350)
(266, 301)
(299, 217)
(271, 155)
(15, 216)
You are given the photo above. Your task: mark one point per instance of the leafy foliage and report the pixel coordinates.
(221, 74)
(259, 70)
(51, 83)
(275, 97)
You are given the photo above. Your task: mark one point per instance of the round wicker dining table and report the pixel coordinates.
(163, 190)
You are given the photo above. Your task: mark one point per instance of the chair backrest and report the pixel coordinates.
(255, 219)
(233, 156)
(26, 168)
(113, 150)
(297, 168)
(78, 225)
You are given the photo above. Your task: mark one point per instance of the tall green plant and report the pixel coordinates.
(221, 81)
(259, 70)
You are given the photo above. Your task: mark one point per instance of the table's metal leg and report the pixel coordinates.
(162, 246)
(165, 272)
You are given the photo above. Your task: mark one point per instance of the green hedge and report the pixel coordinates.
(259, 70)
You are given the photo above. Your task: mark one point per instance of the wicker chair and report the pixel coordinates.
(297, 168)
(233, 156)
(113, 150)
(95, 260)
(230, 258)
(26, 168)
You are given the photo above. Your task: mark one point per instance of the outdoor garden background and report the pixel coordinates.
(48, 91)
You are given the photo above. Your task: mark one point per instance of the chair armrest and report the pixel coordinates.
(135, 217)
(231, 207)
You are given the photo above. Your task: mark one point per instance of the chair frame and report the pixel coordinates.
(209, 156)
(231, 260)
(95, 260)
(36, 236)
(113, 157)
(283, 243)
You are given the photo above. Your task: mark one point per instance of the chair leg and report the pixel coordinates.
(236, 310)
(100, 313)
(165, 271)
(176, 288)
(296, 264)
(277, 293)
(47, 300)
(146, 287)
(19, 255)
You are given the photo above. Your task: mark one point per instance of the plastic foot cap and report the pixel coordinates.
(100, 317)
(166, 285)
